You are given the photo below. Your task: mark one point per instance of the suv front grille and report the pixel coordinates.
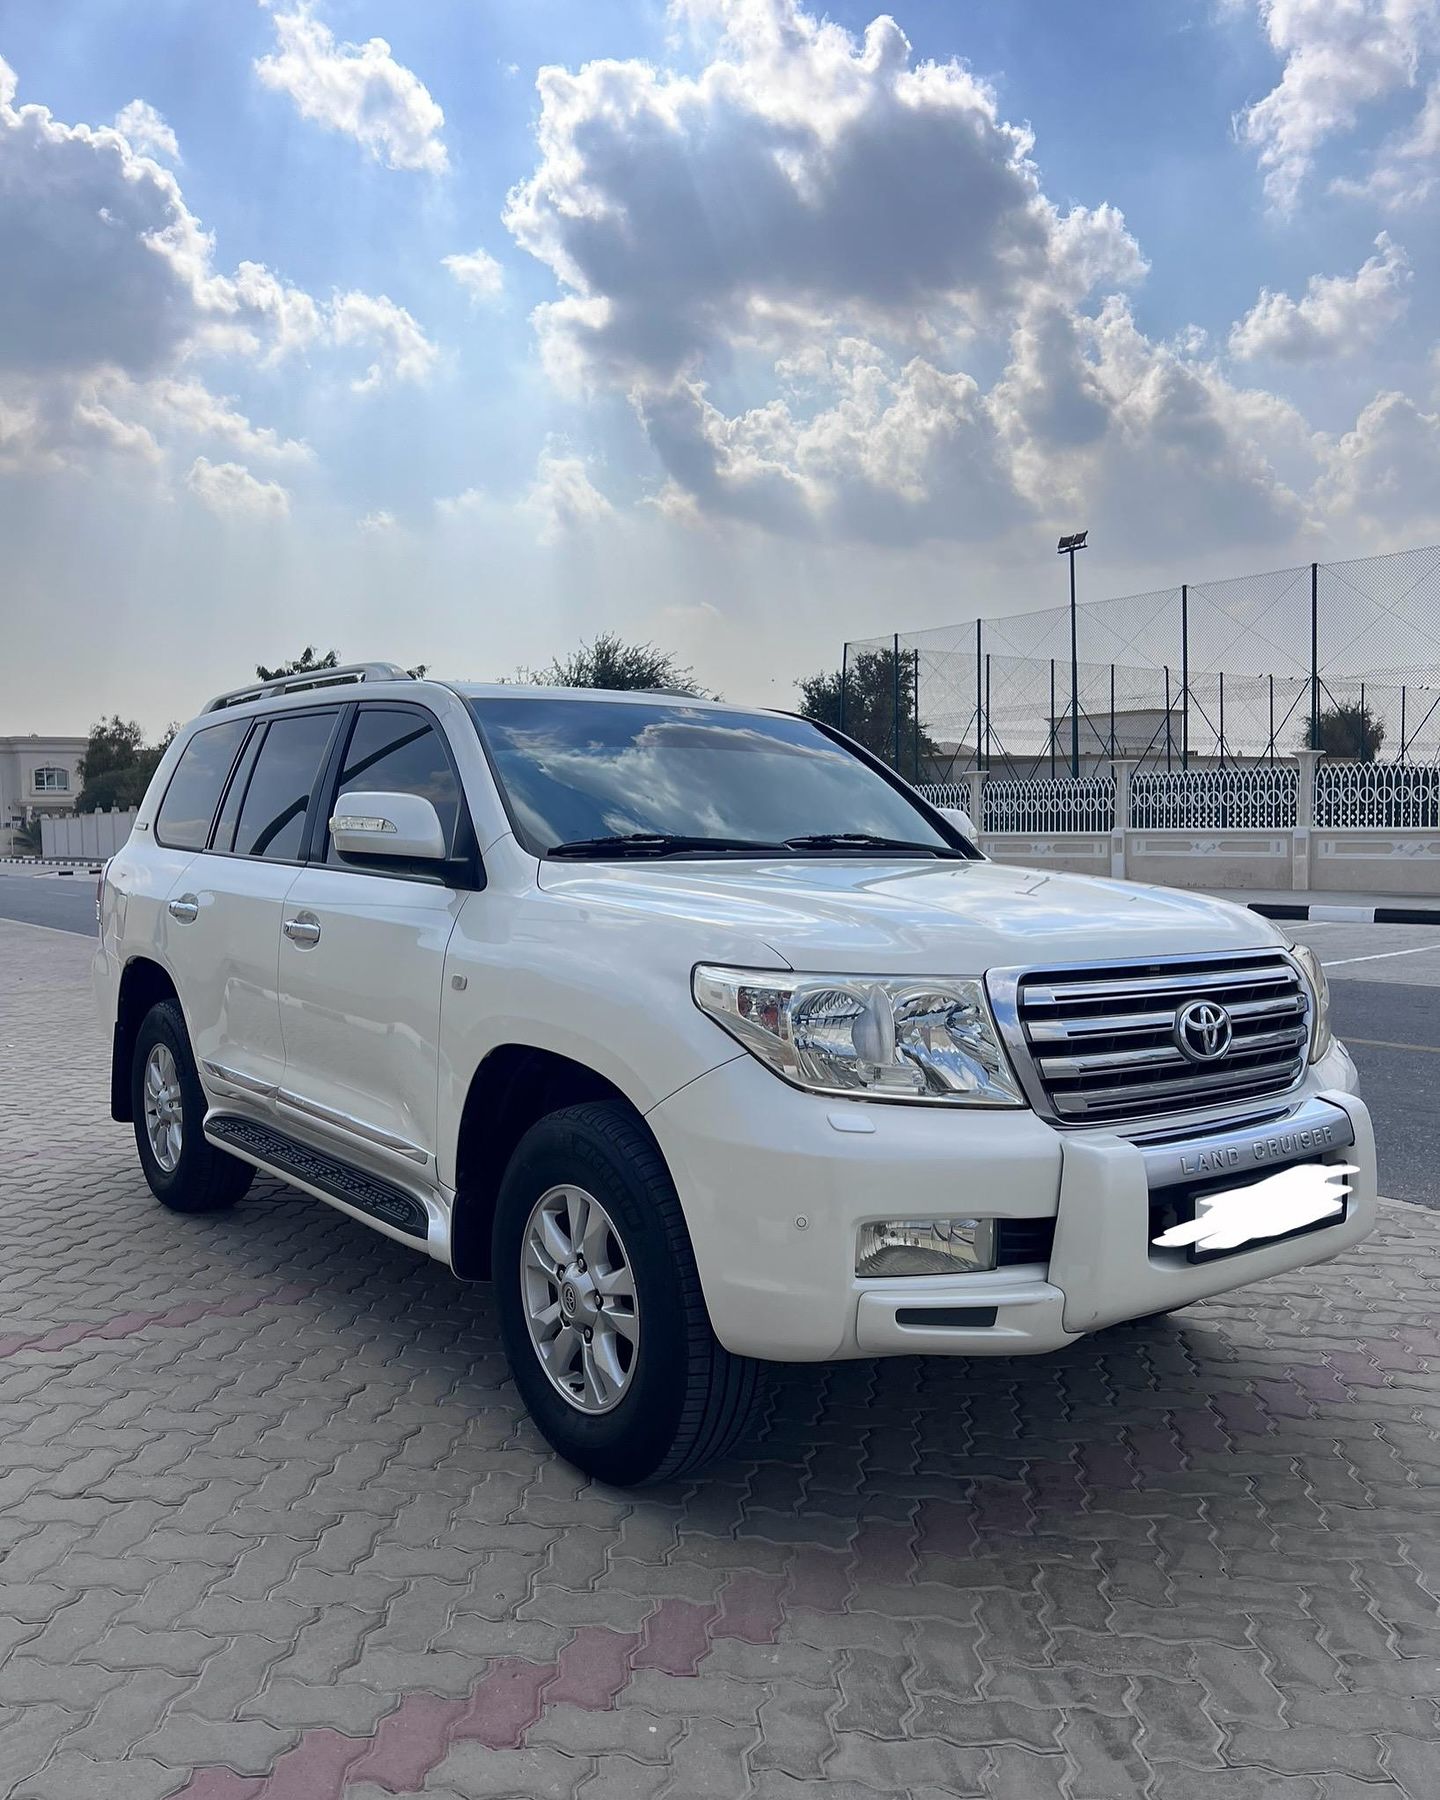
(1104, 1044)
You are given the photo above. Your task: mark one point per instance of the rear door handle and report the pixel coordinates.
(186, 909)
(303, 929)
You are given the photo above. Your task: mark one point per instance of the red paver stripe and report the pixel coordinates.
(61, 1337)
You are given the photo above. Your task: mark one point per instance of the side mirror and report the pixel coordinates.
(399, 825)
(962, 821)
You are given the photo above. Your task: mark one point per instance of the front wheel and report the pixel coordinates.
(600, 1305)
(185, 1170)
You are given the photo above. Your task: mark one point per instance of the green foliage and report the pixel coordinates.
(117, 765)
(868, 712)
(612, 663)
(310, 661)
(307, 660)
(1348, 731)
(27, 836)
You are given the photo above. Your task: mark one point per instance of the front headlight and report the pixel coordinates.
(866, 1037)
(1321, 1037)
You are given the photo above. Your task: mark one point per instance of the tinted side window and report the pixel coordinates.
(183, 822)
(272, 816)
(398, 752)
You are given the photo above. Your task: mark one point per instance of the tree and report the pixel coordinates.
(27, 836)
(868, 713)
(117, 765)
(302, 665)
(1348, 730)
(612, 663)
(307, 662)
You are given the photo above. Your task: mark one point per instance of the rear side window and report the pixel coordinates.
(272, 814)
(395, 751)
(183, 821)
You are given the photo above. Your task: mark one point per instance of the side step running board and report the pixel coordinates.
(370, 1194)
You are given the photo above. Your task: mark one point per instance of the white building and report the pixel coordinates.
(37, 775)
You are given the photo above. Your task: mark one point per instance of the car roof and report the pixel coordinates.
(410, 688)
(505, 690)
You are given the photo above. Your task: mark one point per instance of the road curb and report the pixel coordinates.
(1328, 913)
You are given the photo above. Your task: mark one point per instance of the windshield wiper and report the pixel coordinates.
(865, 840)
(662, 843)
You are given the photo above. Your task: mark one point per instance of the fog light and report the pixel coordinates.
(925, 1247)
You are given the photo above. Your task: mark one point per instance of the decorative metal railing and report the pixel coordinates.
(1243, 797)
(1258, 798)
(1355, 795)
(1046, 806)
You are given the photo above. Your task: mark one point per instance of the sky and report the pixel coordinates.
(461, 332)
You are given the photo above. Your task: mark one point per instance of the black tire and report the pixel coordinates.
(204, 1178)
(688, 1399)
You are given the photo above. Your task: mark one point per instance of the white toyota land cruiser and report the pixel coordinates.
(705, 1038)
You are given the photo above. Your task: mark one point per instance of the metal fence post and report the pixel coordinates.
(844, 678)
(916, 734)
(1270, 745)
(1222, 718)
(1052, 718)
(1112, 710)
(1362, 722)
(982, 723)
(1402, 724)
(987, 712)
(895, 708)
(1307, 762)
(1168, 764)
(1314, 656)
(1185, 675)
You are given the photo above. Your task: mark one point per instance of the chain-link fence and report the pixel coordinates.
(1341, 656)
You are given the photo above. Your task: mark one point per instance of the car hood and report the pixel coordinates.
(858, 916)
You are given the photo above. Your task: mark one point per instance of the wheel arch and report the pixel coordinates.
(142, 982)
(514, 1086)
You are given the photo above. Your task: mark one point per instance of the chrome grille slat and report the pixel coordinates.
(1059, 1031)
(1055, 1068)
(1184, 986)
(1102, 1046)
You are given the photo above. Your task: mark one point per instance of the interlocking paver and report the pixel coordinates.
(273, 1526)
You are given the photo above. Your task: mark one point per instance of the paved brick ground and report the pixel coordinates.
(272, 1527)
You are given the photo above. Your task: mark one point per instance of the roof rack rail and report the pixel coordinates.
(339, 676)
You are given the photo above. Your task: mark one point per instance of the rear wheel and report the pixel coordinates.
(600, 1304)
(186, 1172)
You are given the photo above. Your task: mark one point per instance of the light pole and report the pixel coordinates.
(1068, 547)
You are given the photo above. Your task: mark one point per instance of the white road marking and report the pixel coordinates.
(1379, 956)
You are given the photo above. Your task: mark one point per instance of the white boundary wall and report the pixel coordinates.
(1306, 824)
(85, 836)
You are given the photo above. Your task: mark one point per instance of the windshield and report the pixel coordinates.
(575, 770)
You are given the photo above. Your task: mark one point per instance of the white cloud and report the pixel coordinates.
(1405, 171)
(802, 180)
(111, 296)
(560, 500)
(376, 524)
(1337, 315)
(147, 131)
(563, 497)
(356, 89)
(1381, 479)
(230, 490)
(377, 325)
(478, 273)
(1340, 57)
(1139, 441)
(894, 225)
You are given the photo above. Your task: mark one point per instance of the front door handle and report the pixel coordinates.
(303, 929)
(186, 909)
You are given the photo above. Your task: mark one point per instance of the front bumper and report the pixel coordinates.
(776, 1184)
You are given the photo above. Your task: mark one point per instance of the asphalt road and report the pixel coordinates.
(1385, 979)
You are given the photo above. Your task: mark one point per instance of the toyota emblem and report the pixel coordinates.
(1203, 1030)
